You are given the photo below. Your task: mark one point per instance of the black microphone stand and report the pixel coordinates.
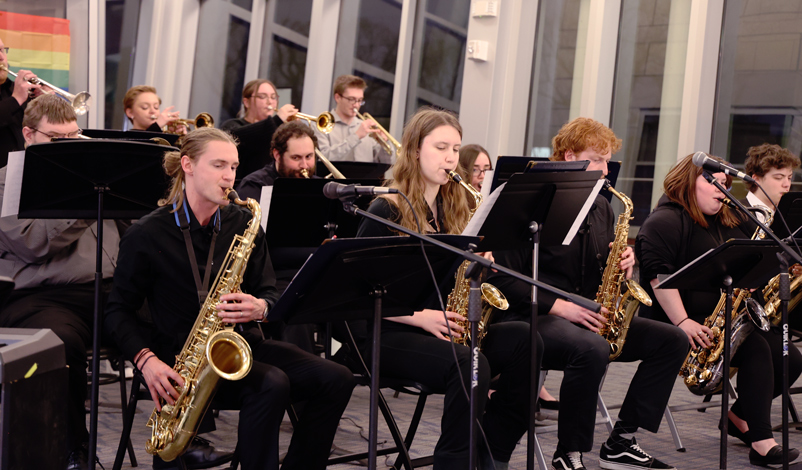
(785, 296)
(474, 307)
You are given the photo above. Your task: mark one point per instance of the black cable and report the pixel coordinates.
(777, 211)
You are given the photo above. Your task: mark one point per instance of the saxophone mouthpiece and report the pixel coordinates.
(454, 176)
(726, 201)
(231, 194)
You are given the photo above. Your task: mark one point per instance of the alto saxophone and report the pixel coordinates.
(458, 298)
(211, 351)
(771, 293)
(621, 308)
(703, 368)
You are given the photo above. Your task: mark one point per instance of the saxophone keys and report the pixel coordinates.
(690, 380)
(716, 330)
(706, 375)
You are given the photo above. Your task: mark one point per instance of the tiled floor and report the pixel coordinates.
(697, 430)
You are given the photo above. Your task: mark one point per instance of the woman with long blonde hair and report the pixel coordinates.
(417, 346)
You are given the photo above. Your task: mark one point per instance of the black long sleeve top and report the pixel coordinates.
(11, 114)
(154, 265)
(575, 268)
(668, 240)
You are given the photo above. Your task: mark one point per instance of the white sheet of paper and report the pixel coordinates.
(583, 213)
(488, 182)
(264, 203)
(11, 193)
(480, 215)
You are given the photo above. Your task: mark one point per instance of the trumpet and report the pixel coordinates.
(201, 120)
(324, 122)
(80, 102)
(385, 144)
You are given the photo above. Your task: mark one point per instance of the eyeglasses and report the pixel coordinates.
(71, 135)
(264, 96)
(354, 101)
(4, 49)
(480, 171)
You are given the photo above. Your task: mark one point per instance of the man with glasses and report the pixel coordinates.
(347, 142)
(14, 97)
(52, 263)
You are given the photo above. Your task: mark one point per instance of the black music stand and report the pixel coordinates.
(299, 215)
(359, 170)
(791, 208)
(135, 135)
(743, 263)
(93, 179)
(531, 195)
(353, 278)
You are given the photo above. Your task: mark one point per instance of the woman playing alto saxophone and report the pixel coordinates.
(416, 347)
(689, 220)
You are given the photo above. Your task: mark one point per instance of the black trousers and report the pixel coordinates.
(421, 357)
(283, 374)
(759, 379)
(583, 357)
(68, 311)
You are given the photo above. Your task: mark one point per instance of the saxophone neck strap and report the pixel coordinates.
(183, 224)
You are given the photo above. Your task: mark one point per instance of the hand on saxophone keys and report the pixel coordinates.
(627, 260)
(240, 308)
(160, 378)
(698, 334)
(434, 322)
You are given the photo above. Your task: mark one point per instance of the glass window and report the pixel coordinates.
(294, 14)
(757, 98)
(439, 54)
(377, 34)
(287, 67)
(641, 89)
(378, 98)
(234, 71)
(552, 73)
(122, 18)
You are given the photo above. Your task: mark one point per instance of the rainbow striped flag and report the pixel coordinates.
(38, 43)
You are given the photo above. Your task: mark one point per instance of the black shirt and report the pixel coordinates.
(251, 185)
(11, 114)
(576, 268)
(154, 265)
(668, 240)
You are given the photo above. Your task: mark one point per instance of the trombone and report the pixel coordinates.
(384, 143)
(324, 124)
(80, 102)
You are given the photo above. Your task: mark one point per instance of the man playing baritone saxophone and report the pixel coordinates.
(155, 264)
(570, 332)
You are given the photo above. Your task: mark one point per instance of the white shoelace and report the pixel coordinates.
(576, 459)
(637, 448)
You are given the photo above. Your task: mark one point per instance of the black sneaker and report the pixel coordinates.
(567, 460)
(626, 454)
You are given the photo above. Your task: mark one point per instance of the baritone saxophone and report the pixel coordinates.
(621, 308)
(212, 351)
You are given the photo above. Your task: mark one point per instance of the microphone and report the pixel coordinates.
(334, 190)
(701, 159)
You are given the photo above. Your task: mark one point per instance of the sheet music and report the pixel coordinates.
(488, 182)
(264, 203)
(480, 216)
(13, 188)
(583, 213)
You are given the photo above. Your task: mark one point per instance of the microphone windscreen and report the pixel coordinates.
(699, 158)
(330, 190)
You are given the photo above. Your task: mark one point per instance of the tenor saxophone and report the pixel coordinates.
(621, 308)
(458, 298)
(703, 369)
(212, 351)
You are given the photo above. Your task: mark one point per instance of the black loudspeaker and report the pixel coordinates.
(33, 420)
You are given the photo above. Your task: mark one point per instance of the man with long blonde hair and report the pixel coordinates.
(189, 237)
